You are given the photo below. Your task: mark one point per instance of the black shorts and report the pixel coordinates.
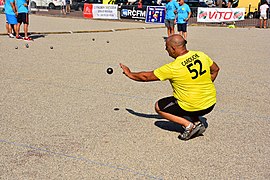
(182, 27)
(23, 18)
(170, 105)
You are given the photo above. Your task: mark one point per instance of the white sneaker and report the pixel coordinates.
(11, 35)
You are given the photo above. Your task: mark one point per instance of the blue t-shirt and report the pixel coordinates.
(8, 7)
(20, 6)
(182, 13)
(170, 8)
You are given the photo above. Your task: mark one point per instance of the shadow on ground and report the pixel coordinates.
(152, 116)
(37, 36)
(167, 125)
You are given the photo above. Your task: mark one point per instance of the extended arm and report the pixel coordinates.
(214, 71)
(139, 76)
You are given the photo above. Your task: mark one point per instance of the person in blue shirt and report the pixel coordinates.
(183, 15)
(171, 9)
(11, 12)
(23, 17)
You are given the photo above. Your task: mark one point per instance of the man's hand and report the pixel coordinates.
(126, 70)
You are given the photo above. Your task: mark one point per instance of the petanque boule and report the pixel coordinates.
(109, 70)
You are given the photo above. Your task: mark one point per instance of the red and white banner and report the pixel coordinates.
(220, 14)
(2, 3)
(100, 11)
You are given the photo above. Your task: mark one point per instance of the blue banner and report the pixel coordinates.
(155, 14)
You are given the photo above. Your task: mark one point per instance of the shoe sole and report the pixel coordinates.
(201, 130)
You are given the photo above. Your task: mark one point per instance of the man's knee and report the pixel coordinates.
(157, 107)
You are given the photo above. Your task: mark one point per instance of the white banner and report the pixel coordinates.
(104, 11)
(220, 14)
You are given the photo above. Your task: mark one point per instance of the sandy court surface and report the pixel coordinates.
(57, 106)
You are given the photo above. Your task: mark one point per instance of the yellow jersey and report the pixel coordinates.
(190, 78)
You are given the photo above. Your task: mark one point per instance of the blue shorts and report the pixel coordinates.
(11, 19)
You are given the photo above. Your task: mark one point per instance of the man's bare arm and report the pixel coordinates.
(139, 76)
(214, 71)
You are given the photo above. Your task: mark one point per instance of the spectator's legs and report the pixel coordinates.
(264, 24)
(168, 31)
(185, 35)
(25, 28)
(18, 29)
(7, 28)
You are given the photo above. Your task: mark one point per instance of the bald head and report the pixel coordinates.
(176, 45)
(176, 40)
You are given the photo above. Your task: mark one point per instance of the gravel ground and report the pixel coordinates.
(57, 105)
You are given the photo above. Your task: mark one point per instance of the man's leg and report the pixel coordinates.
(265, 20)
(184, 28)
(7, 28)
(185, 35)
(18, 29)
(168, 31)
(261, 22)
(25, 28)
(179, 120)
(181, 33)
(19, 18)
(172, 30)
(169, 104)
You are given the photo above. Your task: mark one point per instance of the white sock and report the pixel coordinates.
(190, 126)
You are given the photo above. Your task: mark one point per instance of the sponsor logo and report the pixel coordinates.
(124, 12)
(238, 15)
(202, 15)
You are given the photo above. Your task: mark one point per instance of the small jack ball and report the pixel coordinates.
(16, 47)
(51, 47)
(93, 39)
(109, 70)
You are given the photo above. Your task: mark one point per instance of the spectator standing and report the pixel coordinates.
(218, 3)
(63, 7)
(230, 2)
(23, 17)
(11, 19)
(68, 2)
(263, 14)
(183, 15)
(171, 10)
